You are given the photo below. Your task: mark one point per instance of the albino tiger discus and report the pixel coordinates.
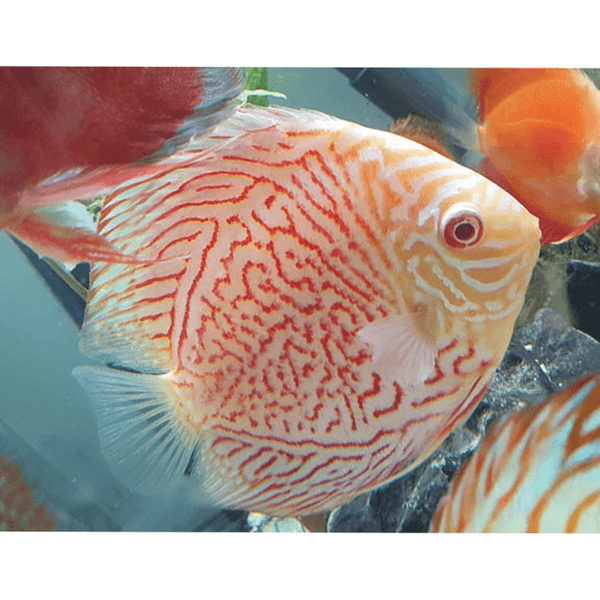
(537, 471)
(323, 304)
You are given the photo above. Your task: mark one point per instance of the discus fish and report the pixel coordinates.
(74, 133)
(322, 304)
(539, 134)
(537, 471)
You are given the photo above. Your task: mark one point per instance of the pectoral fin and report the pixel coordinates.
(401, 353)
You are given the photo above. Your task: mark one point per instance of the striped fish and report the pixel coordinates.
(537, 471)
(322, 304)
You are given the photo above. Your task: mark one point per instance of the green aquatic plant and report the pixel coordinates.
(95, 206)
(257, 90)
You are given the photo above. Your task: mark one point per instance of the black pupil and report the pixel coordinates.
(464, 231)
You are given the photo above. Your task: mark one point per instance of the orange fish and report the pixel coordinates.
(537, 471)
(90, 127)
(539, 134)
(320, 306)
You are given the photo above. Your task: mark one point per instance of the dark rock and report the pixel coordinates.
(225, 520)
(583, 291)
(356, 516)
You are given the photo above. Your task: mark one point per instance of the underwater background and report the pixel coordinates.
(47, 424)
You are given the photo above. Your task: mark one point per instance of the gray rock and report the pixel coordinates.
(260, 523)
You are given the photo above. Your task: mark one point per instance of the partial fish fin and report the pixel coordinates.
(246, 121)
(65, 233)
(554, 233)
(442, 100)
(83, 184)
(400, 351)
(222, 90)
(422, 131)
(146, 444)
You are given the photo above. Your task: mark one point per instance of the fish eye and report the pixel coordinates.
(462, 226)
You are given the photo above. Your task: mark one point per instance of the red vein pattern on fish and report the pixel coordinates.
(537, 471)
(322, 305)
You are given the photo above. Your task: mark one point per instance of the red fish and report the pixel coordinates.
(537, 471)
(322, 304)
(539, 134)
(100, 122)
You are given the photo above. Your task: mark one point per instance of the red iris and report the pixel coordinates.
(463, 229)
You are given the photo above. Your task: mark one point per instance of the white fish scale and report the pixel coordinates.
(284, 255)
(267, 287)
(285, 475)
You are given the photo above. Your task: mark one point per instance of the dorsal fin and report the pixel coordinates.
(246, 121)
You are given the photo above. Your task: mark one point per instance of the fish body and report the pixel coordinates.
(537, 471)
(540, 133)
(537, 136)
(320, 306)
(93, 126)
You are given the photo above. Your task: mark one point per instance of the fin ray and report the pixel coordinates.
(62, 233)
(400, 352)
(144, 441)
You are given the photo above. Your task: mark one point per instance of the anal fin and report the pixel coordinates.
(146, 444)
